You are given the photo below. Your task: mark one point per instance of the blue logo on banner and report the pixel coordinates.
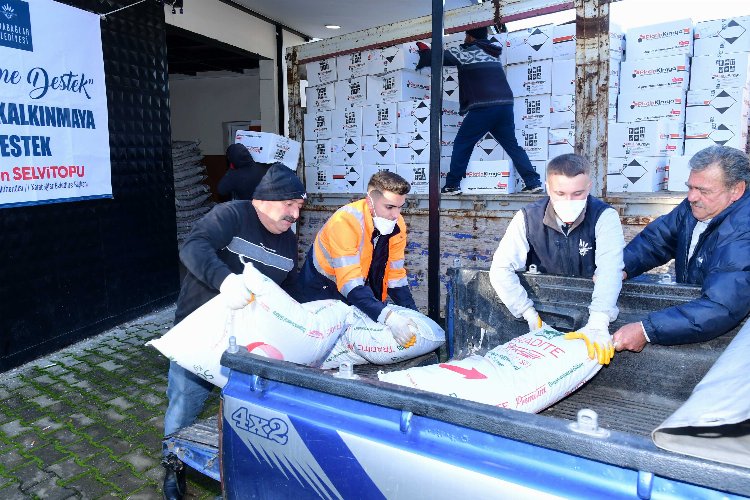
(15, 25)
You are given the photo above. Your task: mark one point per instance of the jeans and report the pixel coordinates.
(187, 394)
(497, 120)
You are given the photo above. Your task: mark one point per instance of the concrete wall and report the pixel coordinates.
(201, 104)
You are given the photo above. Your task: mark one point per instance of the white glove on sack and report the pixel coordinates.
(533, 319)
(235, 293)
(402, 328)
(597, 331)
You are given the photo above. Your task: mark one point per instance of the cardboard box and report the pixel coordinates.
(415, 116)
(318, 152)
(450, 84)
(265, 147)
(532, 111)
(379, 149)
(658, 40)
(413, 147)
(636, 174)
(347, 122)
(652, 105)
(563, 109)
(351, 92)
(721, 36)
(540, 167)
(564, 76)
(348, 179)
(489, 177)
(352, 65)
(531, 44)
(487, 149)
(320, 72)
(678, 172)
(416, 174)
(321, 96)
(702, 135)
(369, 170)
(319, 179)
(317, 124)
(395, 57)
(535, 142)
(564, 41)
(652, 138)
(446, 144)
(379, 119)
(346, 151)
(727, 71)
(396, 86)
(730, 105)
(531, 78)
(561, 141)
(655, 73)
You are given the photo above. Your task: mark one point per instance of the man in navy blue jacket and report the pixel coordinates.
(708, 236)
(486, 100)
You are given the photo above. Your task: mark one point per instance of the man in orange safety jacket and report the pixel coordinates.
(358, 256)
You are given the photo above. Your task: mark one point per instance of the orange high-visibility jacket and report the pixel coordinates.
(342, 250)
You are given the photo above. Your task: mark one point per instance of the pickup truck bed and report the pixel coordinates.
(539, 452)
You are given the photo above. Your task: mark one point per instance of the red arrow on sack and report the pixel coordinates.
(470, 374)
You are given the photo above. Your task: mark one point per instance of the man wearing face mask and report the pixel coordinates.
(214, 254)
(568, 233)
(708, 236)
(358, 256)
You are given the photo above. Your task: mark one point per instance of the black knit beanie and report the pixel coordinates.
(280, 183)
(478, 33)
(238, 156)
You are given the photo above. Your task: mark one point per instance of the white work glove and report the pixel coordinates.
(402, 328)
(533, 320)
(255, 281)
(235, 293)
(597, 338)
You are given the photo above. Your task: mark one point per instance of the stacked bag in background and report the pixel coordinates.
(192, 194)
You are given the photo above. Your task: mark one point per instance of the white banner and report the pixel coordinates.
(54, 133)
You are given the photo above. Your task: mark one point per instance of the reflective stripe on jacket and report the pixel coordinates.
(343, 250)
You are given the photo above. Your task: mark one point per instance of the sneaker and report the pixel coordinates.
(450, 190)
(532, 190)
(175, 484)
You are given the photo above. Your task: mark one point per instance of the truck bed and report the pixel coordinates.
(631, 396)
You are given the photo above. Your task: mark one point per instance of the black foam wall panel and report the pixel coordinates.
(71, 270)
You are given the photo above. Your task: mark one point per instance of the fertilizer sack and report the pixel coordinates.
(528, 373)
(367, 341)
(273, 325)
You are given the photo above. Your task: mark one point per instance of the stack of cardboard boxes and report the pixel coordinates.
(680, 89)
(561, 138)
(651, 107)
(718, 105)
(370, 111)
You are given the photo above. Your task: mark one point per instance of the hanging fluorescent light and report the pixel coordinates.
(333, 26)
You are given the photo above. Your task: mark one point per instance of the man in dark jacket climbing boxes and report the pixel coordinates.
(708, 236)
(486, 100)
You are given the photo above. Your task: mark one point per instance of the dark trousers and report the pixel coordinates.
(497, 120)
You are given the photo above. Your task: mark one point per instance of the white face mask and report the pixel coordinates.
(568, 210)
(383, 225)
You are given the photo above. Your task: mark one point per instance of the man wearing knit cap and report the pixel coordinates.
(214, 254)
(486, 100)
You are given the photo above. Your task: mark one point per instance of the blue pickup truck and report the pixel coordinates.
(289, 431)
